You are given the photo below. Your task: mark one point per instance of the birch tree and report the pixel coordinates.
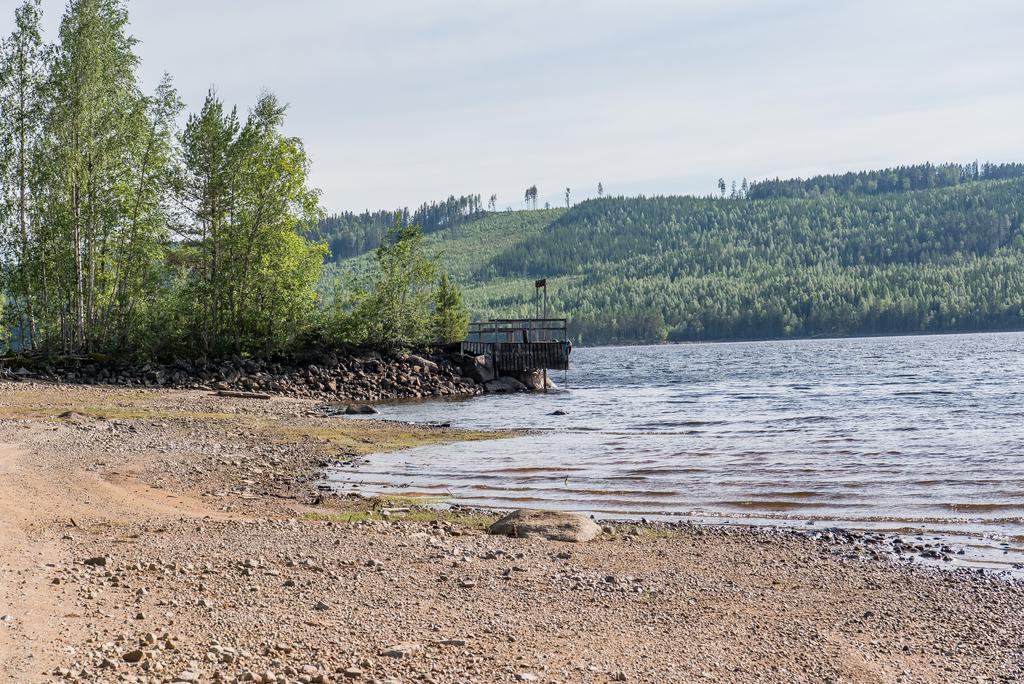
(23, 67)
(105, 147)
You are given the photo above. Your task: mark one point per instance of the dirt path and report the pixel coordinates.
(27, 547)
(43, 503)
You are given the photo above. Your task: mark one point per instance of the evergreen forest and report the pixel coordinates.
(854, 254)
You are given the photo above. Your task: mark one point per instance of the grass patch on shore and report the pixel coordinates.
(377, 509)
(53, 412)
(49, 402)
(364, 437)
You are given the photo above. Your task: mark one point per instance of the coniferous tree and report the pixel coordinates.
(450, 318)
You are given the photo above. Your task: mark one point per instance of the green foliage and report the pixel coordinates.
(899, 179)
(451, 317)
(22, 72)
(249, 274)
(397, 307)
(100, 220)
(349, 234)
(90, 169)
(399, 298)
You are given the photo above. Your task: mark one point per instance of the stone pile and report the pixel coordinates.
(368, 376)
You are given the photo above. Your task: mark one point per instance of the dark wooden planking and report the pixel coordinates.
(517, 357)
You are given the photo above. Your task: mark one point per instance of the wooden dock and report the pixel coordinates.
(522, 344)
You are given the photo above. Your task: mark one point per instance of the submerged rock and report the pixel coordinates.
(360, 410)
(554, 525)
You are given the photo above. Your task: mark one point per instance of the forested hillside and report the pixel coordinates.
(349, 234)
(880, 182)
(683, 268)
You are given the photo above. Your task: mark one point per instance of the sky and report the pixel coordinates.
(405, 101)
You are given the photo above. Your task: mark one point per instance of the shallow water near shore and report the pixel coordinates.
(919, 435)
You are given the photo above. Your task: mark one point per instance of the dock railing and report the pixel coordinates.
(519, 330)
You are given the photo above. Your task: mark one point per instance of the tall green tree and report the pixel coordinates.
(397, 309)
(103, 162)
(23, 72)
(248, 272)
(450, 317)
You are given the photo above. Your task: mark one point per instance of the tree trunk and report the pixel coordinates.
(26, 282)
(79, 327)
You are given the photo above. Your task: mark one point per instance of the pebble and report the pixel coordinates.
(402, 650)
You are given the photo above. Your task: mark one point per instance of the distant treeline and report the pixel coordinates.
(898, 179)
(685, 268)
(349, 234)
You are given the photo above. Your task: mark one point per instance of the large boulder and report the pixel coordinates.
(420, 362)
(479, 369)
(553, 525)
(504, 385)
(535, 380)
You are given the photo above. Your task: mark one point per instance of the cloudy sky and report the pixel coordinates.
(401, 101)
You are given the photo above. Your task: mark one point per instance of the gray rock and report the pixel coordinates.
(402, 650)
(535, 380)
(504, 385)
(554, 525)
(479, 369)
(422, 362)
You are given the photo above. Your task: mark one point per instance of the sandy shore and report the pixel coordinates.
(162, 536)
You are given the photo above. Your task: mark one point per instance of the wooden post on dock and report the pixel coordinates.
(538, 284)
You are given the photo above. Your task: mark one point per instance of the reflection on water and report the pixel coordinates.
(920, 431)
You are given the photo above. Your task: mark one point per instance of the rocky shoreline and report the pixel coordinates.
(367, 376)
(156, 536)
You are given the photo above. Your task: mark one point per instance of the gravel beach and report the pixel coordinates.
(177, 536)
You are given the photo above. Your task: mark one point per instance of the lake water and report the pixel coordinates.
(919, 434)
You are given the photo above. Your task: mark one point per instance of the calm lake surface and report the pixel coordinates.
(922, 435)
